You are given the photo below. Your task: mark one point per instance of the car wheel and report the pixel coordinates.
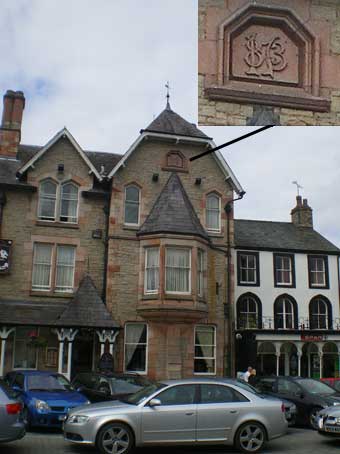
(250, 437)
(115, 437)
(312, 418)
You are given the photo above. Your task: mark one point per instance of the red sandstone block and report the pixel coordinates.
(207, 57)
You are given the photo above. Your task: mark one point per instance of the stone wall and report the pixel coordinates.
(321, 17)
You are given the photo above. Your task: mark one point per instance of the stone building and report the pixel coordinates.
(287, 297)
(167, 281)
(269, 62)
(53, 221)
(129, 251)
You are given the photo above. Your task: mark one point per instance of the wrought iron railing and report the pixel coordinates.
(253, 321)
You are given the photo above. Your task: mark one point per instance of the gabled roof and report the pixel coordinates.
(169, 122)
(62, 133)
(86, 309)
(280, 236)
(173, 212)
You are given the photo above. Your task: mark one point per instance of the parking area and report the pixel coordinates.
(301, 441)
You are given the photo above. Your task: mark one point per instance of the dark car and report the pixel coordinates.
(290, 407)
(12, 426)
(99, 387)
(47, 396)
(309, 395)
(333, 382)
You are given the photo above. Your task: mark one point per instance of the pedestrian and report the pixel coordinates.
(252, 377)
(247, 374)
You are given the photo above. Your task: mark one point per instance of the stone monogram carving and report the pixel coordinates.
(265, 57)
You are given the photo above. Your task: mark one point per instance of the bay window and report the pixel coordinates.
(178, 270)
(151, 283)
(135, 347)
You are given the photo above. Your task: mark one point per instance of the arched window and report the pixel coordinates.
(47, 200)
(213, 213)
(132, 201)
(69, 202)
(320, 313)
(249, 312)
(285, 313)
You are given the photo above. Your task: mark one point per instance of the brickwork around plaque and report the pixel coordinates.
(279, 53)
(171, 321)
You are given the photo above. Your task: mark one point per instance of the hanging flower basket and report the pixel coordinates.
(36, 341)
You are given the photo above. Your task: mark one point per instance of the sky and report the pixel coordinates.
(100, 69)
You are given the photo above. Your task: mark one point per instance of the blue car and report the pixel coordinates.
(46, 396)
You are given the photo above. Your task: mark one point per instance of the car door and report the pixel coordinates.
(287, 389)
(174, 421)
(218, 407)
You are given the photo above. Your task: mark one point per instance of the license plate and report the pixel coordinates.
(332, 429)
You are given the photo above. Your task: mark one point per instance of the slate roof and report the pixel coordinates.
(86, 309)
(280, 235)
(169, 122)
(173, 212)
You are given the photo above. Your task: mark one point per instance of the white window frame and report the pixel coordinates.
(200, 272)
(246, 314)
(209, 229)
(206, 357)
(57, 205)
(132, 224)
(146, 350)
(43, 218)
(146, 291)
(277, 269)
(47, 363)
(284, 313)
(187, 249)
(60, 202)
(248, 268)
(14, 348)
(318, 314)
(43, 289)
(56, 265)
(316, 272)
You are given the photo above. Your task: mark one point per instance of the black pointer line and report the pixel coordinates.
(230, 142)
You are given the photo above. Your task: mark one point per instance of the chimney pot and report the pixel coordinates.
(298, 201)
(302, 214)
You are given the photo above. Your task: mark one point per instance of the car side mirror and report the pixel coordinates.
(155, 403)
(17, 388)
(80, 389)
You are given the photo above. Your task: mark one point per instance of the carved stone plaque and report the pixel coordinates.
(266, 54)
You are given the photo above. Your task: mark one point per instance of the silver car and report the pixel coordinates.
(328, 421)
(12, 426)
(192, 411)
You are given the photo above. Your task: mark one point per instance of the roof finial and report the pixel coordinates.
(167, 86)
(298, 186)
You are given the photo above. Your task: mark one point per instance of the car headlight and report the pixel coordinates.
(78, 419)
(42, 405)
(336, 403)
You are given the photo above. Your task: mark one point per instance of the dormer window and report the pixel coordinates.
(58, 202)
(132, 203)
(213, 213)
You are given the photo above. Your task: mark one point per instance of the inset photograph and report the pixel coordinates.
(269, 62)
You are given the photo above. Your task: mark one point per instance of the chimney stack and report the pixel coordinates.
(10, 129)
(302, 214)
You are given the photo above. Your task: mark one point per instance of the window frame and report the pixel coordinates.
(310, 271)
(145, 372)
(134, 185)
(209, 229)
(58, 202)
(258, 313)
(53, 269)
(189, 251)
(14, 349)
(200, 272)
(328, 314)
(214, 358)
(292, 283)
(284, 313)
(256, 255)
(146, 251)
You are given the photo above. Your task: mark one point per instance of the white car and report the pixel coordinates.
(328, 421)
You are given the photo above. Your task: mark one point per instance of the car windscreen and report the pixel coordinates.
(247, 387)
(128, 385)
(143, 394)
(53, 382)
(10, 393)
(315, 387)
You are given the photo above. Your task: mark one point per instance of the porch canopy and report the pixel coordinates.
(85, 310)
